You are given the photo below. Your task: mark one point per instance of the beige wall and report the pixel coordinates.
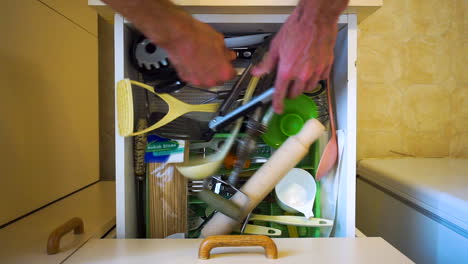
(412, 85)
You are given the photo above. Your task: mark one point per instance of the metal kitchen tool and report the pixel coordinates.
(220, 122)
(256, 126)
(204, 167)
(223, 205)
(176, 108)
(208, 166)
(194, 186)
(217, 202)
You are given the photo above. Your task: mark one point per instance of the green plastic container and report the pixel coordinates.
(296, 112)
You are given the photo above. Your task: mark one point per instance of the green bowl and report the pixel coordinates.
(296, 112)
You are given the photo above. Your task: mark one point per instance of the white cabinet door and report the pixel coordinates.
(25, 241)
(344, 83)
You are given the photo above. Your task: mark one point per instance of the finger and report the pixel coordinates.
(226, 74)
(281, 86)
(188, 77)
(308, 87)
(230, 54)
(296, 89)
(313, 81)
(195, 82)
(326, 73)
(267, 65)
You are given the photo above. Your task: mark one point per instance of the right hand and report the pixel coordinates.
(200, 56)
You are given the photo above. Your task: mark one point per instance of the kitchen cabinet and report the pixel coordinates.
(25, 241)
(49, 110)
(236, 18)
(77, 12)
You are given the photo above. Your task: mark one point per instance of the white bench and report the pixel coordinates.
(419, 205)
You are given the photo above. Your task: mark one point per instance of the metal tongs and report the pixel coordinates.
(225, 116)
(220, 122)
(254, 110)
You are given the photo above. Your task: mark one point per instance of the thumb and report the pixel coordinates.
(266, 65)
(230, 54)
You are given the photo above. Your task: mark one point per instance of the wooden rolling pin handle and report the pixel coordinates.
(53, 243)
(271, 251)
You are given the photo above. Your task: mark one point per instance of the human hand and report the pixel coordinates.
(302, 52)
(200, 56)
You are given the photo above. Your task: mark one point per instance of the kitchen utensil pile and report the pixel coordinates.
(242, 113)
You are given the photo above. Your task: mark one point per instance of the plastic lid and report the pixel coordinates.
(296, 112)
(291, 124)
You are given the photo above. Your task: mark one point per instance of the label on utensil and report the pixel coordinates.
(163, 150)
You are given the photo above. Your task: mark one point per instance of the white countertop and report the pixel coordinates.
(291, 250)
(361, 7)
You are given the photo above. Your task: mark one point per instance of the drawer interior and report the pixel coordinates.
(235, 25)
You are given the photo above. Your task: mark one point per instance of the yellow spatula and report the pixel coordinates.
(176, 108)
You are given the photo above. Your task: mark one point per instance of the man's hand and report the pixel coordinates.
(302, 51)
(200, 56)
(195, 49)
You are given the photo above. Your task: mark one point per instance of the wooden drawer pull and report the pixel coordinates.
(237, 241)
(53, 243)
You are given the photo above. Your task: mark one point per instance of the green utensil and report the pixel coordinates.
(296, 112)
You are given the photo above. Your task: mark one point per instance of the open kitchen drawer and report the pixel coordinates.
(344, 83)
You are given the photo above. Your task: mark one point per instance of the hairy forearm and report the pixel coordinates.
(320, 11)
(160, 20)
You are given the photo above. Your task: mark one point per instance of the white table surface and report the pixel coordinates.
(291, 250)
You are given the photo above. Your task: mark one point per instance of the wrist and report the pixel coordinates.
(159, 20)
(170, 27)
(319, 12)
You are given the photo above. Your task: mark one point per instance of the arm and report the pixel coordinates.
(195, 49)
(302, 51)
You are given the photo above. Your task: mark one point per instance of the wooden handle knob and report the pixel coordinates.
(53, 243)
(237, 241)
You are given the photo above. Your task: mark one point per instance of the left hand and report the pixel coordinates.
(303, 53)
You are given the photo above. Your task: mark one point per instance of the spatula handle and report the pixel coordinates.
(292, 220)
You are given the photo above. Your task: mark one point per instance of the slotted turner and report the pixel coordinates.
(176, 108)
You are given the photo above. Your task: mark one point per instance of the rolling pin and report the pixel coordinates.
(265, 179)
